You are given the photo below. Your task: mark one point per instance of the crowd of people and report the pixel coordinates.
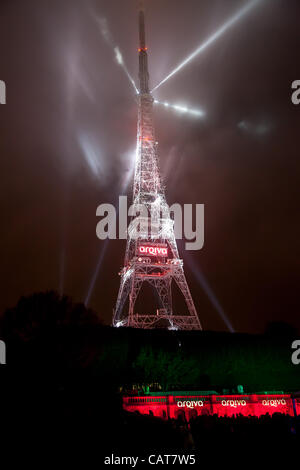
(200, 431)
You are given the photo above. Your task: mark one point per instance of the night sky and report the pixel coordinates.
(68, 133)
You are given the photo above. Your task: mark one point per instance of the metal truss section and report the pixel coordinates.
(175, 322)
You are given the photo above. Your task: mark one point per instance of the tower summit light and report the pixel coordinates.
(151, 253)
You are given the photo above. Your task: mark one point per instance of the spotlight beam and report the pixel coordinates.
(107, 36)
(103, 251)
(182, 109)
(96, 272)
(120, 60)
(211, 39)
(208, 291)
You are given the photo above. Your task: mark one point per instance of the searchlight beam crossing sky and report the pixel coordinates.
(238, 16)
(120, 60)
(107, 36)
(106, 242)
(208, 291)
(182, 109)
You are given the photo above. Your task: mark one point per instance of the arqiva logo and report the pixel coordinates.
(153, 250)
(234, 403)
(273, 402)
(189, 403)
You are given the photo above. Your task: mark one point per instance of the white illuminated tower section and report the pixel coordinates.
(151, 253)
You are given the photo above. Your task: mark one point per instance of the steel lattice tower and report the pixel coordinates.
(151, 253)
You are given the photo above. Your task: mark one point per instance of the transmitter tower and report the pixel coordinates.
(151, 252)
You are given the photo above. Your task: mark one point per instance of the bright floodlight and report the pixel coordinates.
(211, 39)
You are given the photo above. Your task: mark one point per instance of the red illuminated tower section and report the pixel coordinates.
(151, 253)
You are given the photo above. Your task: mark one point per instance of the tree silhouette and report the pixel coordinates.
(43, 312)
(281, 328)
(165, 368)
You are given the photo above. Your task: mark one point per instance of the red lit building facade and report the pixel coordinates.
(172, 405)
